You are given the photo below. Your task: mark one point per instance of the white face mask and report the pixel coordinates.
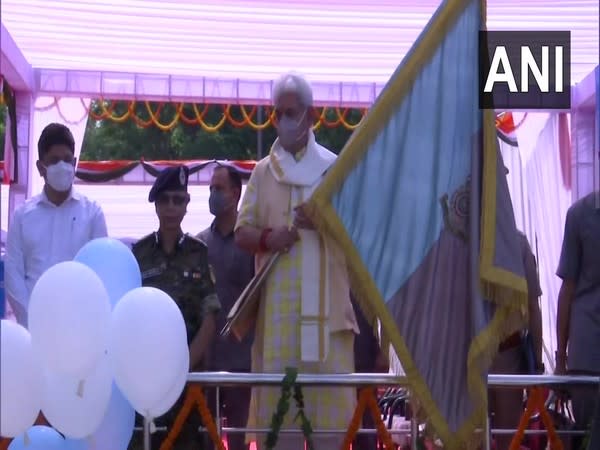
(60, 176)
(291, 131)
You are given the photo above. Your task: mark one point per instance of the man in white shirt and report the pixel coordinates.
(51, 227)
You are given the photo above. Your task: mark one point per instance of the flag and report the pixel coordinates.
(419, 202)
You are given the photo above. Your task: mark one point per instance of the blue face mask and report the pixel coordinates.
(217, 203)
(291, 131)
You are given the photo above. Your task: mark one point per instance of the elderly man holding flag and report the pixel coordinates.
(305, 318)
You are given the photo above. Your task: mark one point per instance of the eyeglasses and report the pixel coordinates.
(175, 199)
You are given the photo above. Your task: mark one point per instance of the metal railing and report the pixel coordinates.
(225, 379)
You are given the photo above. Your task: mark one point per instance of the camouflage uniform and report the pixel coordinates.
(186, 276)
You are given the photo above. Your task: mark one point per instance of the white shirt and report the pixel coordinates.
(42, 234)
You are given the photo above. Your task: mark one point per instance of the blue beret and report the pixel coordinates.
(170, 179)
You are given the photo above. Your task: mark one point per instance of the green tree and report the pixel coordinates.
(335, 138)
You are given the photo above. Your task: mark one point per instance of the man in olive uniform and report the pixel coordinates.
(177, 263)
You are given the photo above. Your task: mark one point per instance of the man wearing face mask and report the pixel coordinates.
(234, 268)
(51, 227)
(177, 263)
(305, 318)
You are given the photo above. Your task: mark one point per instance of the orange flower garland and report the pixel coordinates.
(504, 121)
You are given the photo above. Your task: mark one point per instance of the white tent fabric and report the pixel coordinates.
(545, 187)
(224, 50)
(534, 181)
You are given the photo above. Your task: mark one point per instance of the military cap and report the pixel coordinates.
(170, 179)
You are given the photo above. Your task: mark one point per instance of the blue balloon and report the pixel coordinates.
(76, 444)
(114, 263)
(39, 437)
(116, 430)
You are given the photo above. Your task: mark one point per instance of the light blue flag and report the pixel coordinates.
(426, 241)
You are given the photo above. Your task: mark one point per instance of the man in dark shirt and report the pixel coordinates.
(578, 315)
(178, 264)
(234, 268)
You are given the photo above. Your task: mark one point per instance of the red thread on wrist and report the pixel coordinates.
(263, 239)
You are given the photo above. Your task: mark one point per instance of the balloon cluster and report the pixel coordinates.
(99, 346)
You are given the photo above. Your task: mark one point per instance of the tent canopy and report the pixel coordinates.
(231, 50)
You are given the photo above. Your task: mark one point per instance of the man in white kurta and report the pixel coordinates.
(51, 227)
(305, 317)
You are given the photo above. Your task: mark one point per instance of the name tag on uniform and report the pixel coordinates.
(155, 271)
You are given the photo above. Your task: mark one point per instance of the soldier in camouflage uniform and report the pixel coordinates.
(178, 264)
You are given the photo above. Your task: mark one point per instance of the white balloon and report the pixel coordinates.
(167, 402)
(75, 407)
(20, 380)
(147, 342)
(69, 314)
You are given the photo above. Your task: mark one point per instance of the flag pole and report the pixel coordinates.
(478, 308)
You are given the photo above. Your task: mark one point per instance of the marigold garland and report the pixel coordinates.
(504, 121)
(536, 402)
(107, 113)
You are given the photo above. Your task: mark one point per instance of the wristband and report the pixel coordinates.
(263, 240)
